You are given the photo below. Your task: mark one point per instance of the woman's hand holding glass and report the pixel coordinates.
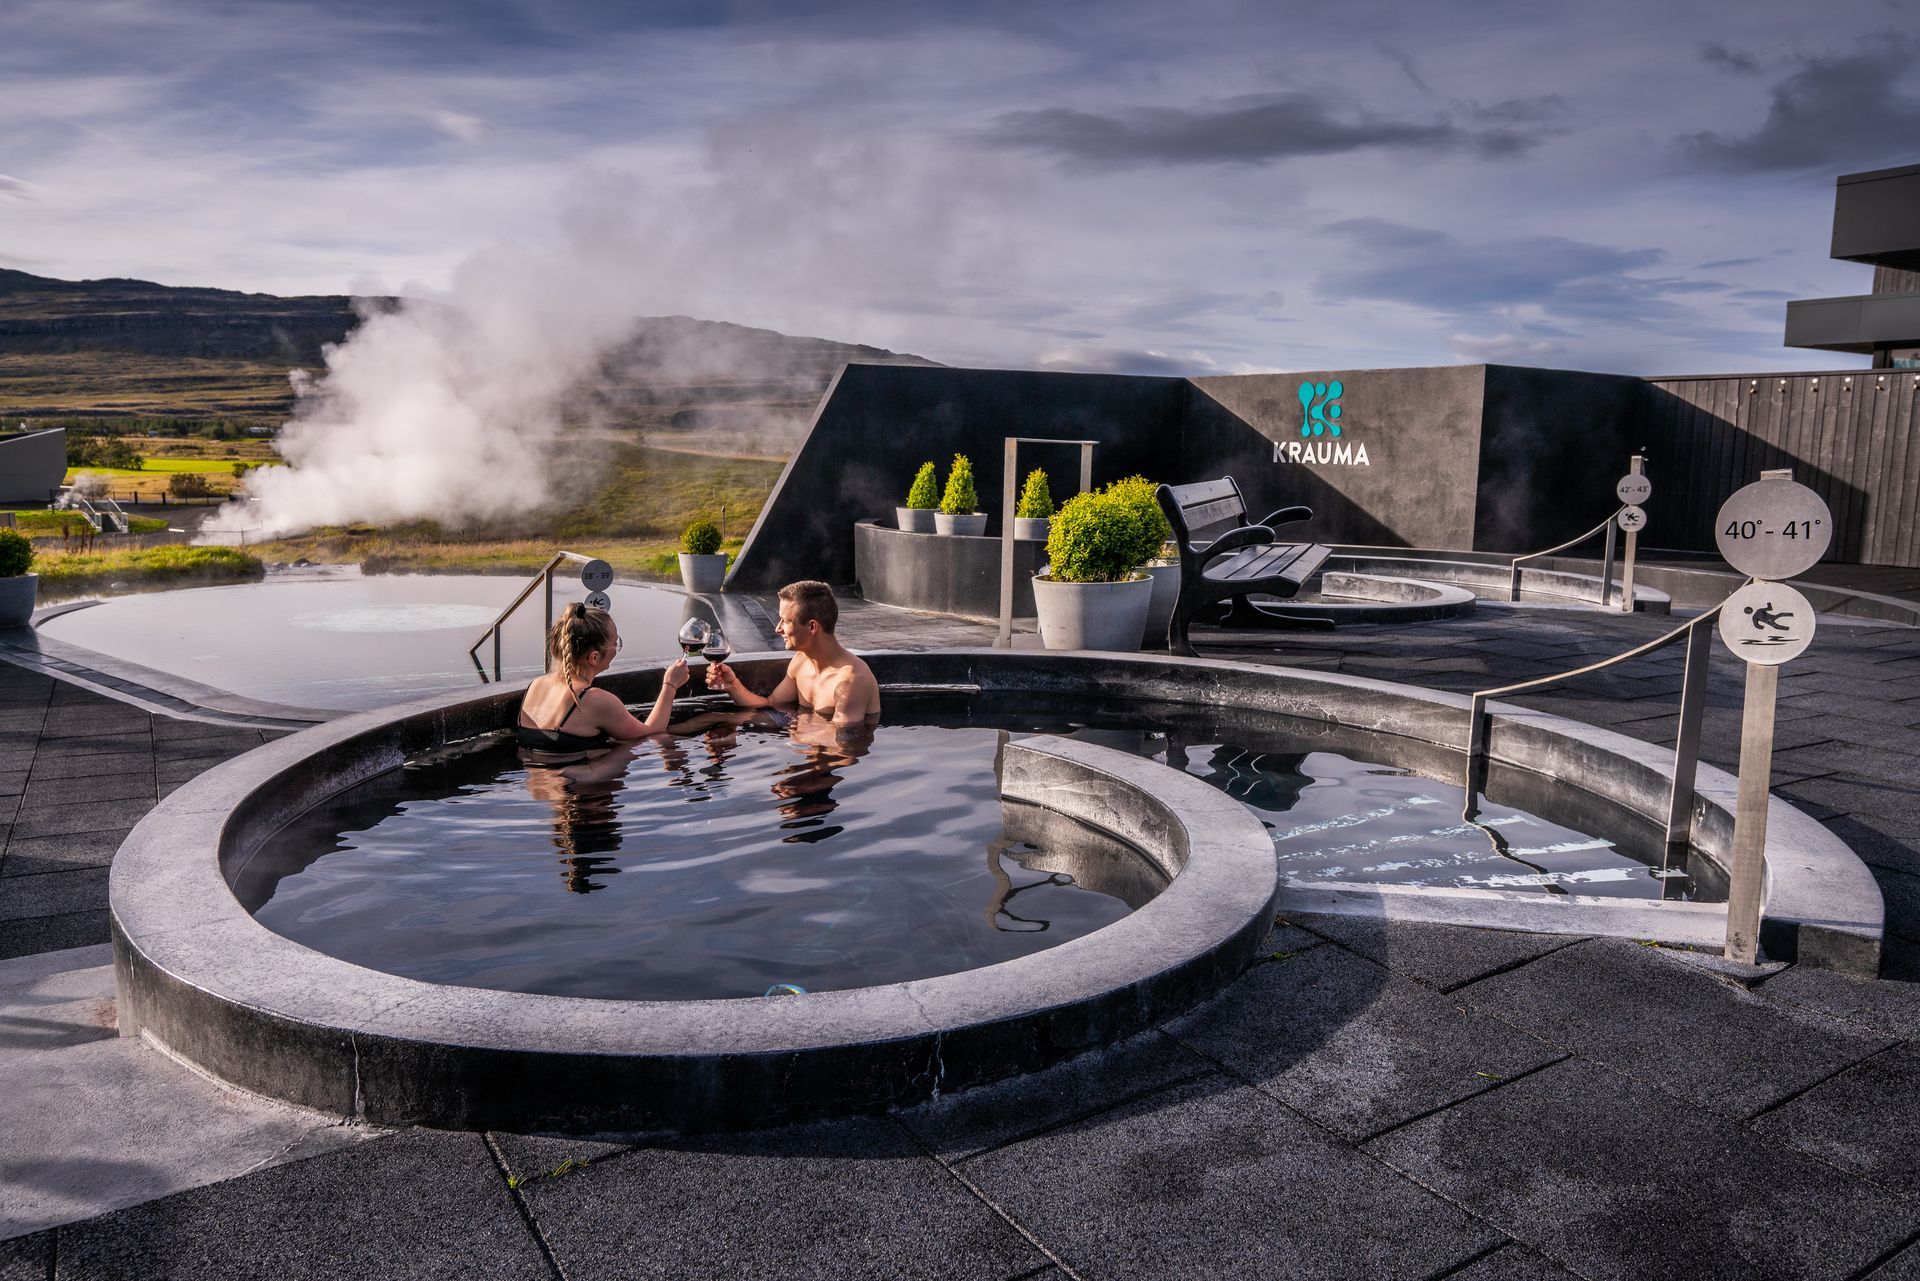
(677, 674)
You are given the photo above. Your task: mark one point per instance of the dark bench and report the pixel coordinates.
(1243, 561)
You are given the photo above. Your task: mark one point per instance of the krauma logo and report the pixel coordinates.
(1320, 408)
(1320, 415)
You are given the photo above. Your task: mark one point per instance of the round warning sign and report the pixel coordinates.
(1632, 519)
(1634, 489)
(1773, 529)
(1766, 623)
(596, 576)
(599, 600)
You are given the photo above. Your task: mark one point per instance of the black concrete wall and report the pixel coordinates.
(878, 423)
(1553, 443)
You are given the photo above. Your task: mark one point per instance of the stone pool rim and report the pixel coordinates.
(200, 976)
(211, 985)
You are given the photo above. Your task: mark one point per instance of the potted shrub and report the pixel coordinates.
(703, 566)
(1163, 565)
(922, 497)
(957, 514)
(1092, 595)
(18, 588)
(1036, 504)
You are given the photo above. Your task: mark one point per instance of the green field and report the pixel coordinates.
(66, 573)
(41, 524)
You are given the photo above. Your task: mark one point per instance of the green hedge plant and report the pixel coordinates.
(960, 498)
(701, 538)
(924, 494)
(1139, 494)
(16, 553)
(1100, 537)
(1036, 499)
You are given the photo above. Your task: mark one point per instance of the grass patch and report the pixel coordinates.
(43, 524)
(142, 566)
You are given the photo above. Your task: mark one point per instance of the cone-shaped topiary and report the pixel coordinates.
(701, 538)
(924, 494)
(1036, 499)
(959, 500)
(16, 554)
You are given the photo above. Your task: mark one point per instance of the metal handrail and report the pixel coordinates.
(1686, 751)
(543, 575)
(1606, 588)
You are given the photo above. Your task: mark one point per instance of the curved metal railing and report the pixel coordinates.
(542, 575)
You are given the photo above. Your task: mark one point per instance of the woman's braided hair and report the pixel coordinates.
(578, 631)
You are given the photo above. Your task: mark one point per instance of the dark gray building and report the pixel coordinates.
(32, 465)
(1876, 220)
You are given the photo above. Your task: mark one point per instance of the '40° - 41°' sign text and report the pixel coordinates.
(1325, 431)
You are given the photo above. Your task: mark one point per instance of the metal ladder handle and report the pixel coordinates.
(544, 575)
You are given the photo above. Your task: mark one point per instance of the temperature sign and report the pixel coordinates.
(1773, 529)
(596, 576)
(1633, 489)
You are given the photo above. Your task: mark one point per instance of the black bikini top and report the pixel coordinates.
(558, 739)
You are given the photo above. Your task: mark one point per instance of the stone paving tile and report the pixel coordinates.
(1617, 1180)
(1672, 1025)
(1860, 706)
(49, 765)
(1901, 894)
(52, 893)
(52, 933)
(1511, 1264)
(1904, 1266)
(421, 1204)
(1857, 761)
(1207, 1180)
(1885, 1006)
(13, 782)
(1341, 1040)
(1845, 796)
(534, 1156)
(30, 856)
(963, 1124)
(28, 1258)
(43, 794)
(849, 1199)
(1442, 956)
(81, 815)
(1862, 1121)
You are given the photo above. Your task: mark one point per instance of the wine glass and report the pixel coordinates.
(693, 636)
(718, 647)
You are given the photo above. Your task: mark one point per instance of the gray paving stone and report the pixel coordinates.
(419, 1204)
(1878, 847)
(13, 782)
(1442, 956)
(81, 815)
(52, 893)
(1511, 1264)
(960, 1125)
(1210, 1180)
(1675, 1026)
(1904, 1266)
(1900, 893)
(853, 1198)
(1864, 1120)
(64, 724)
(1620, 1181)
(47, 765)
(44, 794)
(1857, 761)
(36, 934)
(28, 1258)
(1865, 707)
(1340, 1039)
(33, 855)
(537, 1156)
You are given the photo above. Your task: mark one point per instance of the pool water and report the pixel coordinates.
(742, 858)
(335, 640)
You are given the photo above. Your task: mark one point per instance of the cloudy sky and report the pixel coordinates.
(1203, 187)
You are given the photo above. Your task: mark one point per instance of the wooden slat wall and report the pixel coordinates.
(1852, 442)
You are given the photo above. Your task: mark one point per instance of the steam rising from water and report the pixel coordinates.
(444, 408)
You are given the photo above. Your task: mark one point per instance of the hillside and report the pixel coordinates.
(131, 354)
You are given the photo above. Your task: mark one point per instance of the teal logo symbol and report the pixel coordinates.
(1320, 408)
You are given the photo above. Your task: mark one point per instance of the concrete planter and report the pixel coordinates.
(17, 596)
(1166, 590)
(1108, 616)
(703, 574)
(913, 520)
(971, 525)
(1031, 528)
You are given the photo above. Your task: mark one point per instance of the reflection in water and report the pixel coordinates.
(586, 820)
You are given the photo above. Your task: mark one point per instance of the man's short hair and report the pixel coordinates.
(813, 602)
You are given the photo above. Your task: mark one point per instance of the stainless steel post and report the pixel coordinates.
(1635, 466)
(1750, 817)
(1009, 469)
(1086, 466)
(1606, 567)
(549, 631)
(496, 651)
(1686, 747)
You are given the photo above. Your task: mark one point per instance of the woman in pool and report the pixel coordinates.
(563, 713)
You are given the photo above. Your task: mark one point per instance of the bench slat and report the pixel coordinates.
(1294, 562)
(1201, 515)
(1205, 491)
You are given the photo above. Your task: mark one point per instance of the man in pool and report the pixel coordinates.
(825, 677)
